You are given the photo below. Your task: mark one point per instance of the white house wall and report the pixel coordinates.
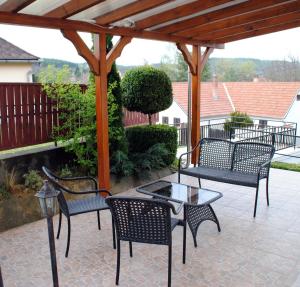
(174, 111)
(294, 115)
(16, 72)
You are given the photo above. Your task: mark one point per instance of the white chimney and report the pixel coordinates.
(215, 87)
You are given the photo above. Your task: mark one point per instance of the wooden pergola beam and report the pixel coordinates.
(175, 13)
(205, 57)
(116, 51)
(15, 6)
(222, 14)
(188, 58)
(260, 32)
(71, 8)
(286, 18)
(129, 10)
(244, 19)
(82, 50)
(53, 23)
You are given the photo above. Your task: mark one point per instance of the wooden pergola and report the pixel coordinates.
(208, 24)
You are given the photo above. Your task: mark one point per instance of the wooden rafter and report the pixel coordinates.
(221, 14)
(116, 51)
(254, 16)
(65, 24)
(286, 18)
(187, 57)
(175, 13)
(71, 8)
(15, 5)
(82, 50)
(129, 10)
(260, 32)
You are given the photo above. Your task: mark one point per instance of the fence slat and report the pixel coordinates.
(11, 115)
(4, 123)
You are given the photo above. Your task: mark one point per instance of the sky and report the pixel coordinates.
(48, 43)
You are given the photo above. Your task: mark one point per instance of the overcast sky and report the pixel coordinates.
(47, 43)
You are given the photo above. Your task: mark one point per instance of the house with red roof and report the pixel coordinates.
(265, 102)
(16, 65)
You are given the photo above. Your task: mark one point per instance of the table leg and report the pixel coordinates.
(184, 233)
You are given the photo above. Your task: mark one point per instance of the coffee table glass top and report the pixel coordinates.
(178, 192)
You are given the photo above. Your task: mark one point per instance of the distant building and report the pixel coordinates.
(265, 102)
(16, 65)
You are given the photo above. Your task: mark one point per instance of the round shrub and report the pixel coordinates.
(146, 90)
(141, 138)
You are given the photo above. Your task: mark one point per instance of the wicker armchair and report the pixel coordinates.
(94, 203)
(145, 221)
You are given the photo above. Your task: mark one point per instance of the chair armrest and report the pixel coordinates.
(265, 164)
(80, 178)
(186, 153)
(177, 211)
(96, 191)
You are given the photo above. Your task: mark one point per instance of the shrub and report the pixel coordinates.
(147, 90)
(142, 138)
(4, 193)
(65, 171)
(8, 179)
(121, 165)
(33, 180)
(238, 120)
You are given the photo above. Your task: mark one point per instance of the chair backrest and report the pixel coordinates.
(141, 220)
(53, 179)
(216, 153)
(249, 156)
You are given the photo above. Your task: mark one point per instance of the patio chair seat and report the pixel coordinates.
(85, 205)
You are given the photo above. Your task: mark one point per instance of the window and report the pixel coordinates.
(165, 120)
(176, 122)
(262, 124)
(298, 97)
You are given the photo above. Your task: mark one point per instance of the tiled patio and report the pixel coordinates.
(248, 252)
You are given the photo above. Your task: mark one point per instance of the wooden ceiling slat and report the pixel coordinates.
(65, 24)
(243, 19)
(71, 8)
(228, 12)
(15, 5)
(178, 12)
(129, 10)
(260, 32)
(286, 18)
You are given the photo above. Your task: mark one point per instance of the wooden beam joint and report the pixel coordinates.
(187, 57)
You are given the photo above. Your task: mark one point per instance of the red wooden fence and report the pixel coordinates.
(27, 115)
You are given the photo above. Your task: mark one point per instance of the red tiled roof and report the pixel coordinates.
(210, 105)
(263, 99)
(260, 99)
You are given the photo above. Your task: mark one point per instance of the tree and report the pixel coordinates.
(147, 90)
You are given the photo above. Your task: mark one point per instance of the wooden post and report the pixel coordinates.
(101, 112)
(196, 79)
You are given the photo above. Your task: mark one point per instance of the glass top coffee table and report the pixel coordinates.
(197, 208)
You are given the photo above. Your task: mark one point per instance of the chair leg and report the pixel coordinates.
(170, 265)
(59, 225)
(267, 191)
(178, 177)
(255, 204)
(130, 249)
(184, 234)
(98, 216)
(118, 262)
(199, 181)
(69, 236)
(113, 233)
(216, 218)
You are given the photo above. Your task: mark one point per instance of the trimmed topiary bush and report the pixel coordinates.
(146, 90)
(141, 138)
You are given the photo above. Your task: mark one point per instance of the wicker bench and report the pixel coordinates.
(243, 163)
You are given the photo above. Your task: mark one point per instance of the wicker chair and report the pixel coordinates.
(87, 204)
(145, 221)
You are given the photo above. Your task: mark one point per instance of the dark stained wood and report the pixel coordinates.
(246, 18)
(25, 115)
(82, 49)
(260, 32)
(71, 8)
(286, 18)
(196, 80)
(116, 51)
(102, 113)
(19, 124)
(37, 114)
(11, 114)
(129, 10)
(64, 24)
(225, 13)
(4, 119)
(43, 116)
(187, 57)
(15, 5)
(175, 13)
(31, 125)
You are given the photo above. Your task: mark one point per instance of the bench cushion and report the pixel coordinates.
(222, 175)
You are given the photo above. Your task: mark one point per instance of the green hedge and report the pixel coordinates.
(286, 166)
(141, 138)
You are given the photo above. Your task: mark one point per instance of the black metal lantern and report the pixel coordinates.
(48, 202)
(47, 198)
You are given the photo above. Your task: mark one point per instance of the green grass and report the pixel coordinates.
(286, 166)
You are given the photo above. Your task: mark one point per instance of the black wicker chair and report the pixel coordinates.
(145, 221)
(69, 208)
